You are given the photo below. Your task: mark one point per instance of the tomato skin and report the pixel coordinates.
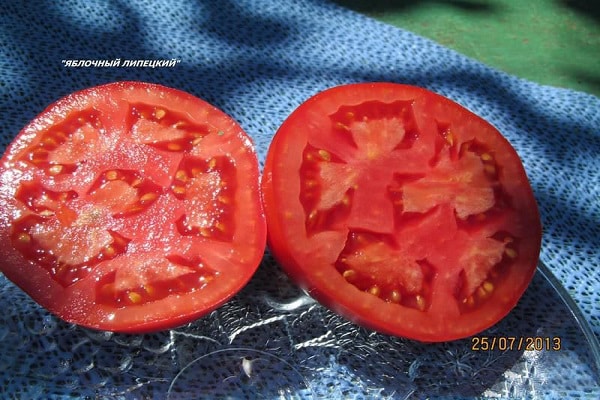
(427, 206)
(131, 207)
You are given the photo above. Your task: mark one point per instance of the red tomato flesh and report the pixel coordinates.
(131, 207)
(401, 210)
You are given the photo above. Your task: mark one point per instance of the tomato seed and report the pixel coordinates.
(488, 286)
(149, 289)
(64, 196)
(349, 274)
(181, 175)
(24, 237)
(486, 157)
(342, 126)
(111, 175)
(109, 251)
(133, 210)
(374, 290)
(490, 169)
(147, 197)
(395, 296)
(482, 293)
(420, 302)
(119, 241)
(221, 226)
(55, 169)
(325, 155)
(159, 113)
(510, 252)
(134, 297)
(508, 239)
(172, 146)
(205, 232)
(180, 190)
(50, 142)
(223, 199)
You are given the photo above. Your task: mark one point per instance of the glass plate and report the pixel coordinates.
(272, 341)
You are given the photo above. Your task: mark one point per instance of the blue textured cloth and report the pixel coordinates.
(257, 61)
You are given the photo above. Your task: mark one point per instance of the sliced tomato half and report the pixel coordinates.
(401, 210)
(131, 207)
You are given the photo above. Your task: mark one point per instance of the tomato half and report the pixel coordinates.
(131, 207)
(401, 210)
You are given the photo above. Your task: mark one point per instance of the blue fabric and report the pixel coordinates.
(259, 59)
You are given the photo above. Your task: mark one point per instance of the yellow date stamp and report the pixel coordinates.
(518, 343)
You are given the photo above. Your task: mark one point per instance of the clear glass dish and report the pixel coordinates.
(274, 342)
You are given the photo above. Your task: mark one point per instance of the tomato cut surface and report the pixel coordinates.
(401, 210)
(131, 207)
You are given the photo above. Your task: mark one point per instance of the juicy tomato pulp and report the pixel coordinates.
(131, 207)
(401, 210)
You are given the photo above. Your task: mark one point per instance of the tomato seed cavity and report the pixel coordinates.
(165, 130)
(118, 294)
(67, 141)
(207, 187)
(64, 273)
(110, 190)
